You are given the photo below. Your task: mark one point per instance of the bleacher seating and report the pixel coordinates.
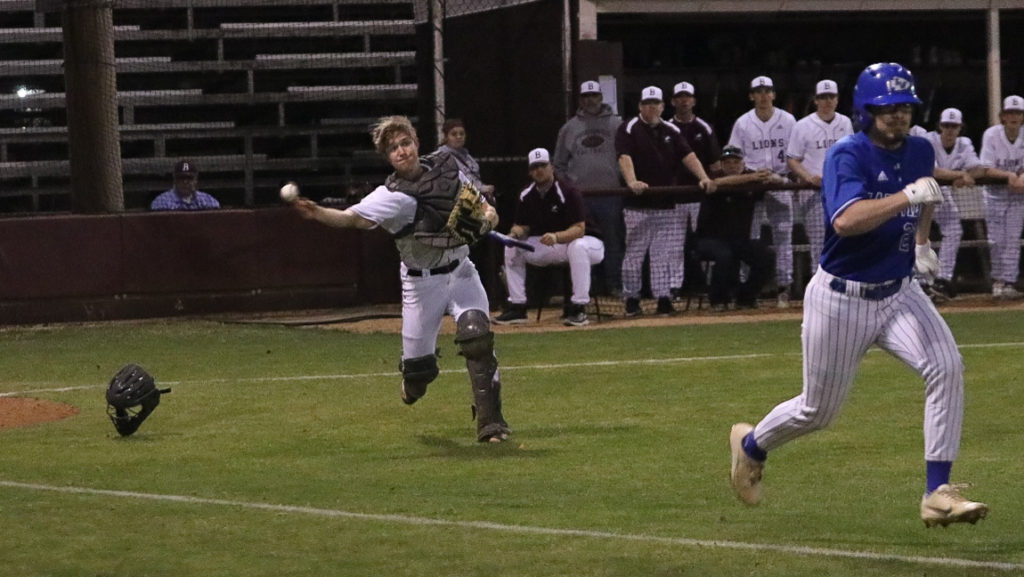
(256, 91)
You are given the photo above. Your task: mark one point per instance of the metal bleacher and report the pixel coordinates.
(254, 91)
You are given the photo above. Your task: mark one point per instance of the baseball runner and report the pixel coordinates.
(878, 195)
(650, 151)
(1002, 149)
(956, 163)
(812, 136)
(433, 215)
(762, 134)
(704, 142)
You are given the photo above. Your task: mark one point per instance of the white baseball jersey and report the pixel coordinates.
(997, 150)
(393, 211)
(962, 157)
(812, 137)
(763, 143)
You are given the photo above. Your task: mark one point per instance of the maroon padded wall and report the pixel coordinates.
(74, 268)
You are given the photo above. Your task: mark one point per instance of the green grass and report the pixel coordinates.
(626, 462)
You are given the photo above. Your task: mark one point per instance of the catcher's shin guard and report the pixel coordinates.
(476, 343)
(417, 373)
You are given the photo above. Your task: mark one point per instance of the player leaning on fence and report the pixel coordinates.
(879, 196)
(437, 275)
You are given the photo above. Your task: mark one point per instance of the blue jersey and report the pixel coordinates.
(856, 169)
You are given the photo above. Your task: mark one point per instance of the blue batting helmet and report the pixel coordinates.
(879, 85)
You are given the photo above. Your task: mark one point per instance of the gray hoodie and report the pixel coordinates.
(585, 151)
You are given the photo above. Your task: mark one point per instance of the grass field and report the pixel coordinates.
(287, 452)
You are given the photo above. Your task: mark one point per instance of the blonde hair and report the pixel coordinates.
(386, 129)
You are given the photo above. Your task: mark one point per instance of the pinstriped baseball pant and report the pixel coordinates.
(657, 231)
(686, 214)
(838, 330)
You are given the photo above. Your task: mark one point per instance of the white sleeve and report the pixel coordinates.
(988, 149)
(392, 211)
(736, 137)
(795, 148)
(970, 157)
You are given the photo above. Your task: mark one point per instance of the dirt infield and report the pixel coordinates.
(23, 412)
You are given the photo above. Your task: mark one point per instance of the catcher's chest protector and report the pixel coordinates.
(435, 192)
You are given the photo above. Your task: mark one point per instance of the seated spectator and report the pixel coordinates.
(551, 217)
(723, 232)
(184, 195)
(454, 143)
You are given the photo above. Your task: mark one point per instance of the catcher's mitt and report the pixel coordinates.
(131, 397)
(468, 219)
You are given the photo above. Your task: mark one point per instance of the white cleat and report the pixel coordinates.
(746, 472)
(946, 505)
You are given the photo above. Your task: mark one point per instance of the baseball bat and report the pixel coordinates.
(509, 241)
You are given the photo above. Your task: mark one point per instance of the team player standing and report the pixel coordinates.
(1002, 148)
(762, 135)
(811, 138)
(956, 162)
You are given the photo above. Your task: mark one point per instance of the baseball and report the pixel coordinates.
(289, 192)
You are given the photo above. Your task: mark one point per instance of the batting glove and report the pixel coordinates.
(926, 262)
(923, 191)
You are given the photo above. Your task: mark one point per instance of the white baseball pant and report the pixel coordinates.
(1004, 220)
(838, 330)
(426, 299)
(777, 210)
(581, 254)
(947, 218)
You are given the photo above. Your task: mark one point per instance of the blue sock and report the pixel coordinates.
(938, 473)
(751, 449)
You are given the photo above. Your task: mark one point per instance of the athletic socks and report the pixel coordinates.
(752, 450)
(938, 473)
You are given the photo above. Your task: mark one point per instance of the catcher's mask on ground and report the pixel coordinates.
(131, 397)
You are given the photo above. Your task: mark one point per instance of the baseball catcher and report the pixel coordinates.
(131, 397)
(434, 214)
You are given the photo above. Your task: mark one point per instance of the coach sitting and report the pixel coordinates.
(551, 217)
